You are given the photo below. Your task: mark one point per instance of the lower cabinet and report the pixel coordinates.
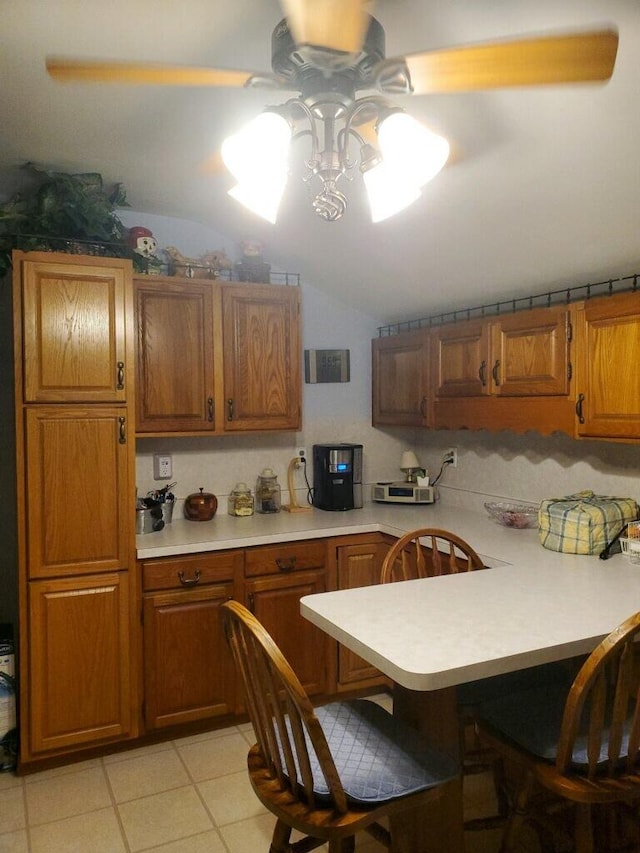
(188, 673)
(80, 663)
(277, 577)
(358, 565)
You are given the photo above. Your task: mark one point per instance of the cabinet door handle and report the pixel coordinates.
(251, 601)
(120, 376)
(189, 581)
(482, 373)
(122, 431)
(230, 409)
(423, 407)
(286, 565)
(579, 403)
(496, 372)
(210, 409)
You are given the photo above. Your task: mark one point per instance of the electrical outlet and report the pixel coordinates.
(162, 466)
(301, 453)
(452, 455)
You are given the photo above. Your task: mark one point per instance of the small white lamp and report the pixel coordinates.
(410, 465)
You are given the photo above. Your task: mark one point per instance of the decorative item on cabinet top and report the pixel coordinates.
(522, 303)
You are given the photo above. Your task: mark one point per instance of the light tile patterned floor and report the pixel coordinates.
(184, 796)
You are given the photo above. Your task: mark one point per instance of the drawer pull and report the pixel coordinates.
(189, 581)
(286, 565)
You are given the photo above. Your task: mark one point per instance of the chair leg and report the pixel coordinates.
(281, 838)
(583, 829)
(343, 845)
(518, 814)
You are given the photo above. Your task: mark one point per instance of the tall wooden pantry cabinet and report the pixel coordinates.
(73, 322)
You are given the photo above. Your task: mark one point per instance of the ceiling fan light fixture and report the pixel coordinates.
(259, 148)
(410, 149)
(261, 197)
(387, 193)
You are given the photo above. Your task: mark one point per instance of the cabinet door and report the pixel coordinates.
(608, 378)
(358, 565)
(530, 353)
(175, 366)
(188, 671)
(74, 319)
(275, 601)
(261, 357)
(79, 663)
(461, 353)
(400, 376)
(79, 495)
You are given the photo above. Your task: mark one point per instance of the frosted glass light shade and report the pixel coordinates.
(388, 194)
(413, 151)
(259, 149)
(262, 198)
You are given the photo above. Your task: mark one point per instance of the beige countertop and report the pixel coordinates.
(495, 543)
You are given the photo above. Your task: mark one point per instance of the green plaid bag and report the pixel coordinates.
(583, 523)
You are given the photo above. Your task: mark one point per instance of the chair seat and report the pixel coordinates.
(486, 689)
(378, 758)
(532, 719)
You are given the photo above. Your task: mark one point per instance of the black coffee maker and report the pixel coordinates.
(337, 476)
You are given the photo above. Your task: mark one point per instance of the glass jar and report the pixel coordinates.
(240, 500)
(267, 492)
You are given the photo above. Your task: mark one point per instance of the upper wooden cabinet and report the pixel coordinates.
(607, 374)
(400, 380)
(524, 354)
(261, 357)
(461, 359)
(175, 366)
(215, 357)
(74, 318)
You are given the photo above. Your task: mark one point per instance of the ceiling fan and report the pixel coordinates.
(327, 51)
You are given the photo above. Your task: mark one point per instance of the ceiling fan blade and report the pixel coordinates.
(581, 57)
(67, 70)
(331, 24)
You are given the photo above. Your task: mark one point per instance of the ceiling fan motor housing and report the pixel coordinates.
(307, 65)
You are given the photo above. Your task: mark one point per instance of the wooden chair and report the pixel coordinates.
(331, 772)
(582, 745)
(443, 553)
(430, 552)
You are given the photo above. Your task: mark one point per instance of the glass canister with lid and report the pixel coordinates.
(240, 500)
(267, 492)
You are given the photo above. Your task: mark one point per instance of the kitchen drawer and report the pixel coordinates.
(287, 557)
(191, 570)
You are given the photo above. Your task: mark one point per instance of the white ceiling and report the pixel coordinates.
(543, 190)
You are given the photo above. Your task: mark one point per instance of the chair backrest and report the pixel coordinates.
(428, 552)
(601, 723)
(280, 710)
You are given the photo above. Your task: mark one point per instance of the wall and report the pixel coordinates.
(504, 465)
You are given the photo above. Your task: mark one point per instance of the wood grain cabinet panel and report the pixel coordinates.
(608, 377)
(175, 364)
(79, 497)
(358, 565)
(400, 380)
(188, 669)
(74, 328)
(79, 652)
(261, 357)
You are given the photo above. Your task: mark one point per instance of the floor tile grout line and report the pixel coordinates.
(116, 810)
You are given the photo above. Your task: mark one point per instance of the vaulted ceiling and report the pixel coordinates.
(542, 189)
